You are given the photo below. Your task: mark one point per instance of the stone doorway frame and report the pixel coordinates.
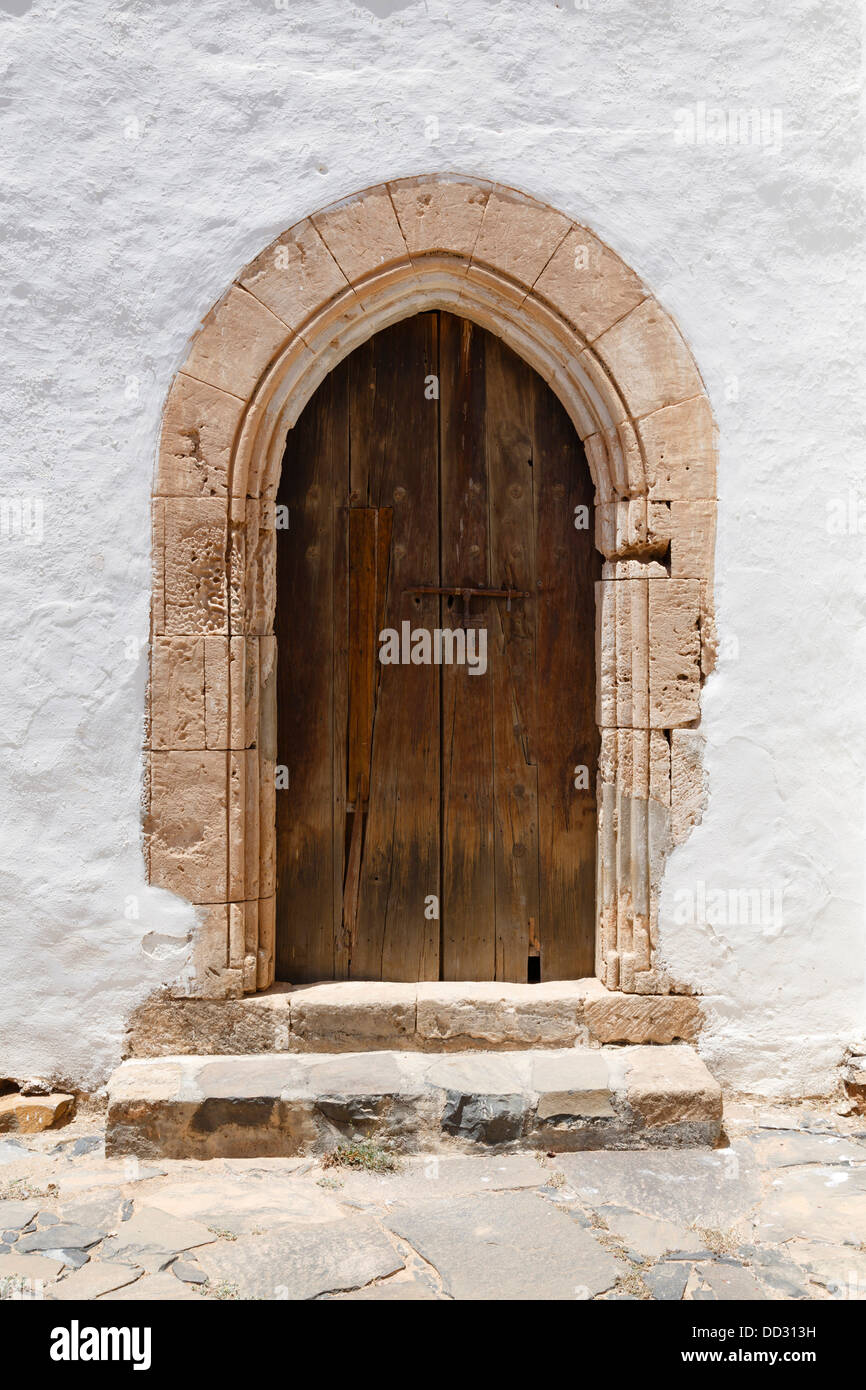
(567, 304)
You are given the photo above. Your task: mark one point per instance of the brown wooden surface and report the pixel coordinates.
(307, 633)
(468, 871)
(471, 795)
(395, 463)
(566, 732)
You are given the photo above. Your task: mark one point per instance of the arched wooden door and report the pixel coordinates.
(439, 819)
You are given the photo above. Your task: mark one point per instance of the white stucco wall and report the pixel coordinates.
(151, 149)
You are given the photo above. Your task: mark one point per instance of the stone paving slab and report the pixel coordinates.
(509, 1245)
(713, 1189)
(302, 1262)
(571, 1099)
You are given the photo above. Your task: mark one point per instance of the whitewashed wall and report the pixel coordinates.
(151, 149)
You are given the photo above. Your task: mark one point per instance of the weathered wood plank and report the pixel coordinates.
(314, 462)
(468, 864)
(509, 451)
(567, 735)
(394, 463)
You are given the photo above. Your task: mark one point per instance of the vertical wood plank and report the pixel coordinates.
(468, 833)
(567, 735)
(394, 464)
(509, 449)
(314, 463)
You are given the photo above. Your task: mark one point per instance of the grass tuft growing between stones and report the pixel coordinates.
(364, 1154)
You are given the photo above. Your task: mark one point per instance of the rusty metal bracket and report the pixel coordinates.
(467, 594)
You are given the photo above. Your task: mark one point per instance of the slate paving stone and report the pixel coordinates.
(73, 1259)
(15, 1215)
(47, 1218)
(75, 1148)
(692, 1187)
(776, 1271)
(667, 1282)
(649, 1235)
(9, 1236)
(507, 1246)
(153, 1288)
(91, 1281)
(789, 1149)
(188, 1273)
(392, 1291)
(152, 1238)
(430, 1176)
(19, 1264)
(839, 1269)
(825, 1204)
(61, 1236)
(5, 1248)
(239, 1205)
(728, 1281)
(302, 1262)
(102, 1210)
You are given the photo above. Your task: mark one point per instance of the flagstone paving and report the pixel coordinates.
(778, 1213)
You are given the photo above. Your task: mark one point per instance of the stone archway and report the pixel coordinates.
(577, 314)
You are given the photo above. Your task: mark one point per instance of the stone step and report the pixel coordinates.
(556, 1100)
(439, 1016)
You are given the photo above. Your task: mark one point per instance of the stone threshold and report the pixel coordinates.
(560, 1100)
(355, 1016)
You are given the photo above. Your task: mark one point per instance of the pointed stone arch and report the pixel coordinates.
(575, 312)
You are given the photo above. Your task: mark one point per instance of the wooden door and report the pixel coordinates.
(436, 823)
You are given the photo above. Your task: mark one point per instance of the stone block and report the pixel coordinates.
(692, 539)
(295, 276)
(440, 214)
(674, 652)
(634, 1018)
(572, 1087)
(518, 236)
(362, 233)
(194, 566)
(177, 692)
(199, 426)
(680, 447)
(31, 1114)
(670, 1086)
(649, 361)
(589, 285)
(353, 1013)
(187, 824)
(502, 1015)
(237, 342)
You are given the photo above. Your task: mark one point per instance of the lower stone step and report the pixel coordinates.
(557, 1100)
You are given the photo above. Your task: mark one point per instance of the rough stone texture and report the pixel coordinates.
(633, 1018)
(280, 1105)
(29, 1114)
(152, 1238)
(303, 1262)
(508, 1247)
(432, 1017)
